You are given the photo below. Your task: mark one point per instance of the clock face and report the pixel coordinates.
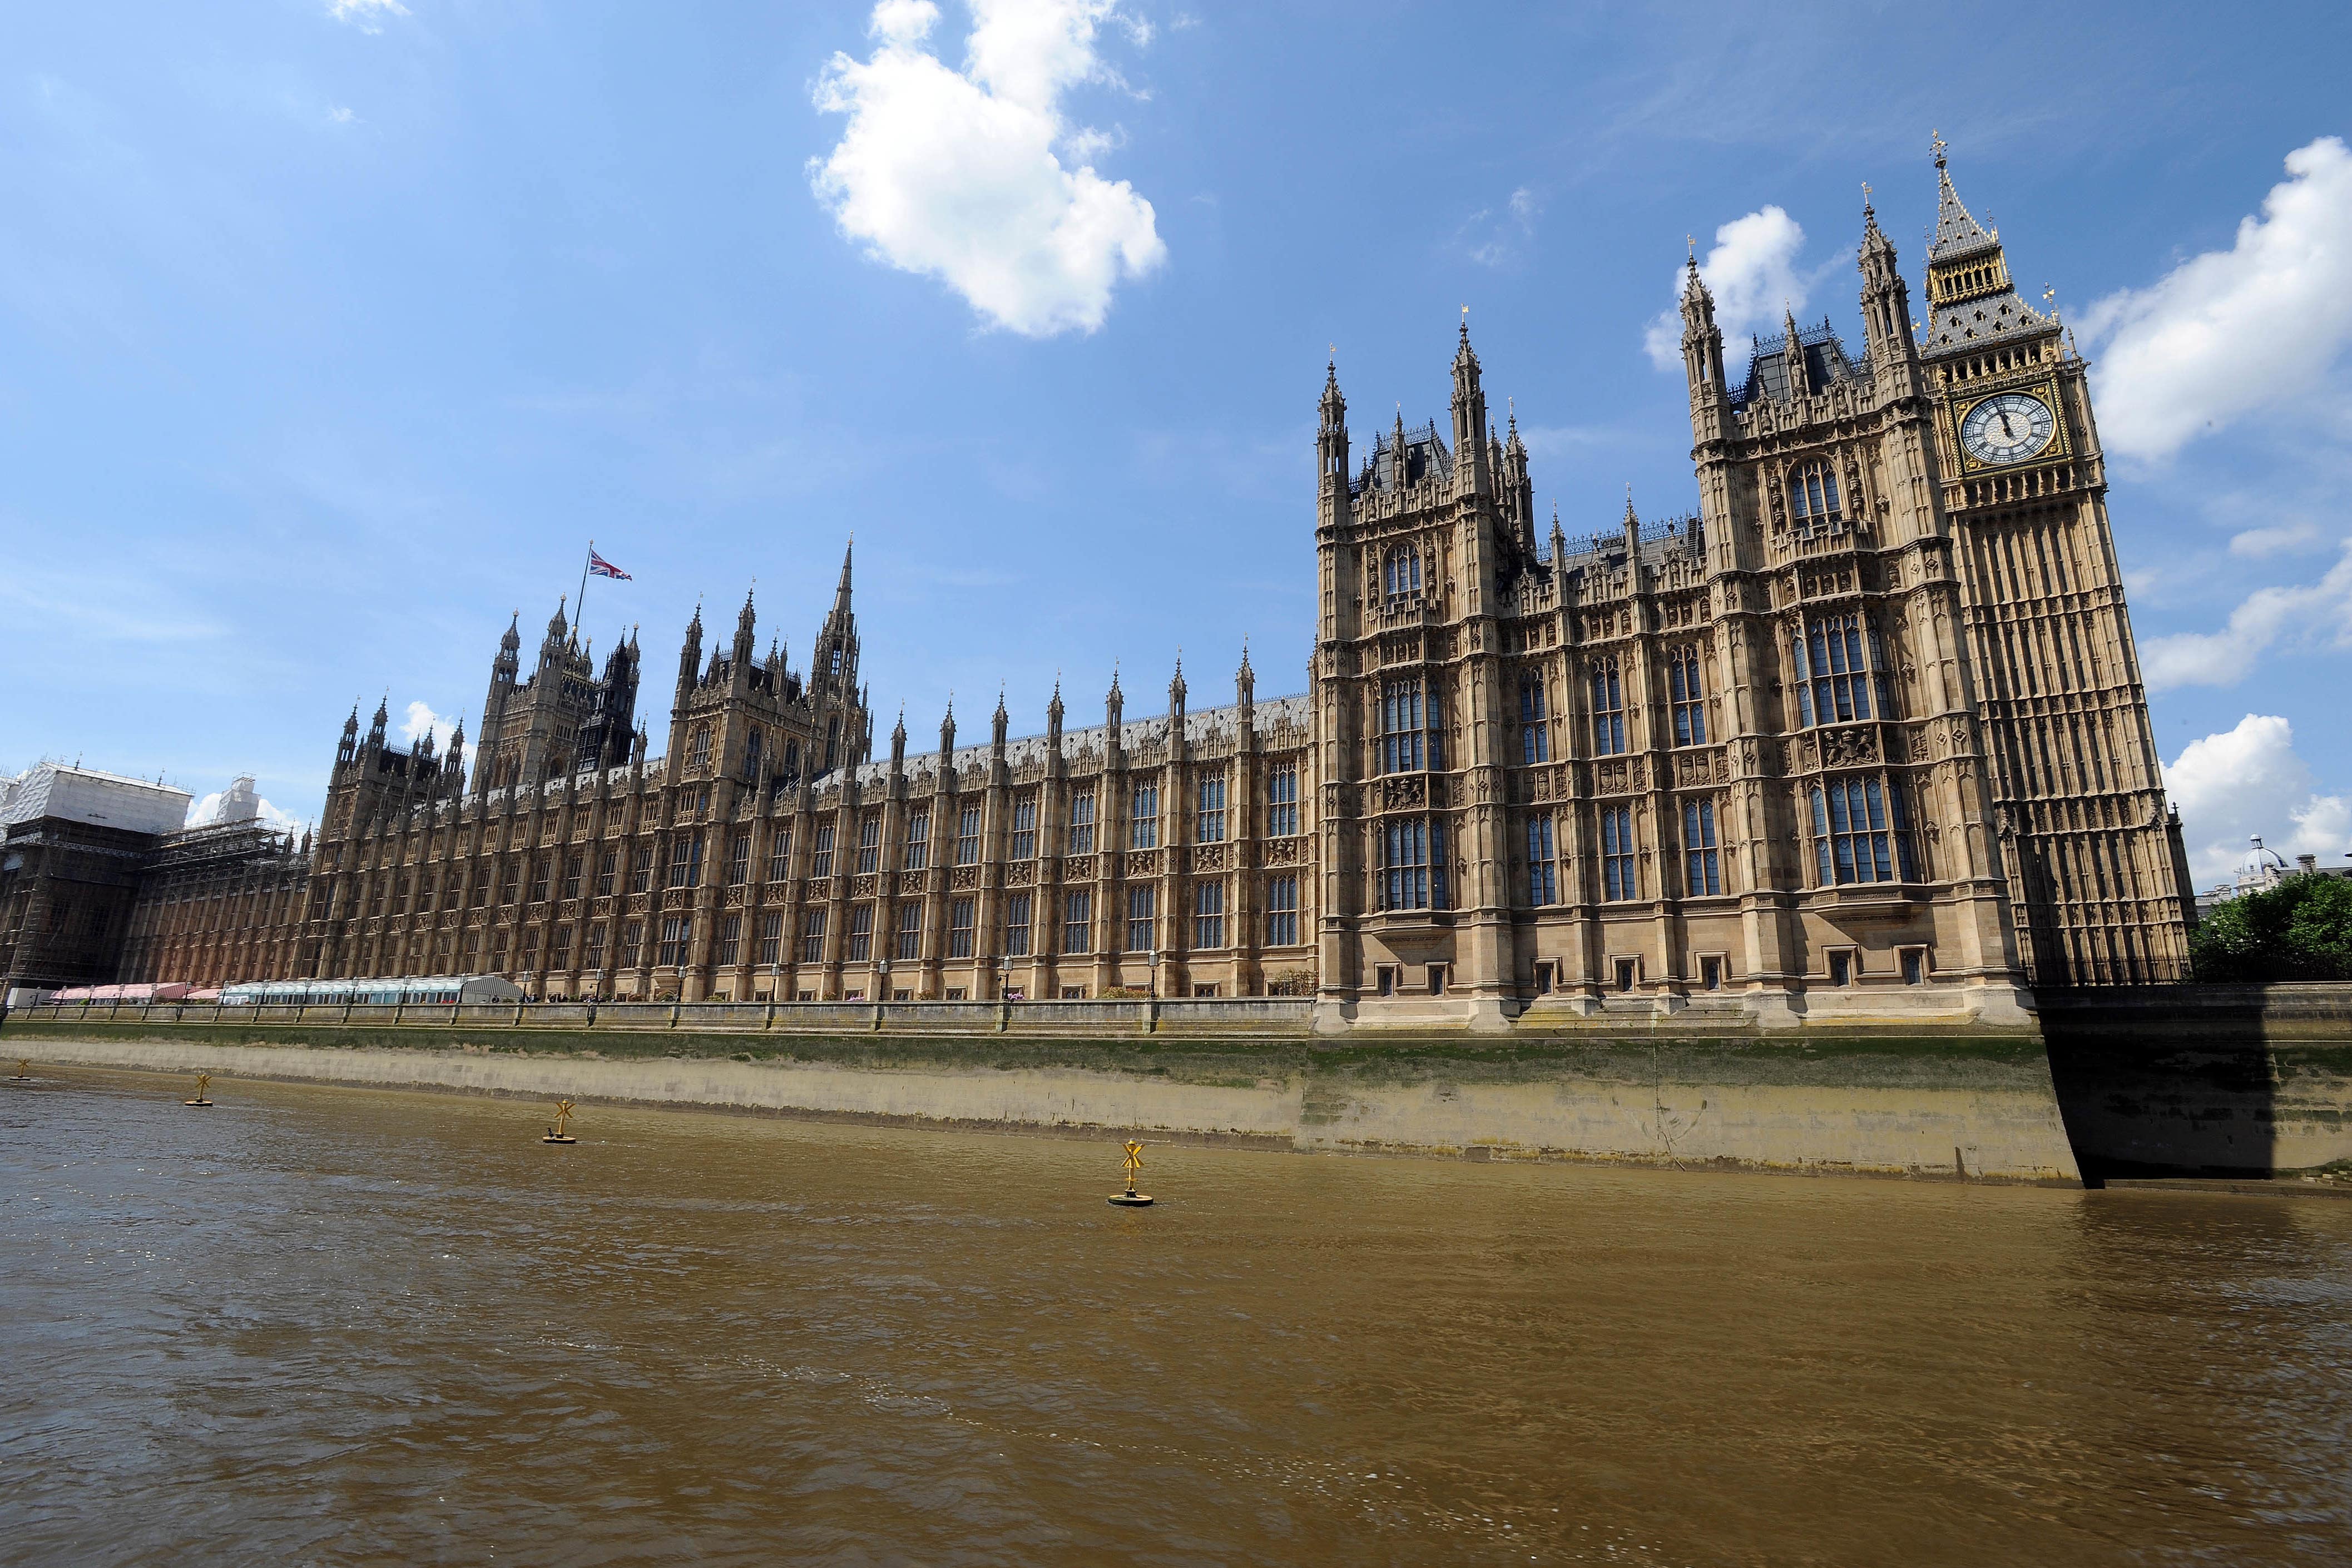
(2008, 428)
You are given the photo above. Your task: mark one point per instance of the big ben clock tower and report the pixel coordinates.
(2098, 881)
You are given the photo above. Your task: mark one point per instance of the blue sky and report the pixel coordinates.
(330, 330)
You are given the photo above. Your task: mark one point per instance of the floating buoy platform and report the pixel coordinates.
(557, 1135)
(1131, 1198)
(204, 1082)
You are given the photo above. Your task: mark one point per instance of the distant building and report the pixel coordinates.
(74, 845)
(2262, 868)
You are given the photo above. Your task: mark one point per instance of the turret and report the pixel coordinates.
(453, 767)
(1800, 380)
(1470, 471)
(375, 729)
(744, 624)
(1885, 297)
(1331, 450)
(1054, 723)
(999, 723)
(1518, 489)
(348, 746)
(1246, 692)
(834, 668)
(1114, 714)
(898, 747)
(551, 648)
(1702, 342)
(690, 656)
(947, 747)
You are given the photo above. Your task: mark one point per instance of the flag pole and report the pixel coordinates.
(579, 605)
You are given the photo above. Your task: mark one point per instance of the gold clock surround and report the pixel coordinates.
(1957, 407)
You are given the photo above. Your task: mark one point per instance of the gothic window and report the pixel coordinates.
(861, 932)
(1411, 873)
(1209, 914)
(959, 928)
(792, 759)
(751, 758)
(869, 843)
(686, 860)
(821, 853)
(508, 887)
(1282, 912)
(731, 941)
(1834, 681)
(1686, 693)
(772, 939)
(738, 859)
(812, 936)
(633, 941)
(1535, 732)
(1080, 835)
(1142, 907)
(1813, 496)
(917, 852)
(833, 734)
(1400, 726)
(780, 852)
(673, 943)
(1078, 922)
(1281, 800)
(1143, 825)
(1608, 710)
(968, 836)
(593, 958)
(1702, 873)
(698, 751)
(1025, 828)
(1400, 571)
(641, 869)
(538, 874)
(1619, 877)
(1543, 863)
(1017, 925)
(1210, 828)
(1861, 833)
(910, 932)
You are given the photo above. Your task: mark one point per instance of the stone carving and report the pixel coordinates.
(863, 887)
(1282, 851)
(1020, 874)
(1144, 862)
(1078, 868)
(1208, 857)
(1408, 790)
(910, 884)
(964, 878)
(820, 888)
(1849, 748)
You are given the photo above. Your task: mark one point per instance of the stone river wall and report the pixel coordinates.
(1949, 1107)
(2212, 1080)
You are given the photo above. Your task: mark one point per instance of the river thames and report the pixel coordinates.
(344, 1326)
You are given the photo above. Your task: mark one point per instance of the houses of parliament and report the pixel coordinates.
(1863, 736)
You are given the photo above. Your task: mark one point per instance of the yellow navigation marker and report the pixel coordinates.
(557, 1135)
(24, 1067)
(204, 1082)
(1131, 1198)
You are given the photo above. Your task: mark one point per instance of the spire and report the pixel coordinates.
(555, 626)
(946, 738)
(1957, 232)
(899, 744)
(1053, 709)
(999, 723)
(841, 594)
(513, 642)
(1246, 688)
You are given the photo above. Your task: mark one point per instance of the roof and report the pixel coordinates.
(1206, 725)
(86, 795)
(1957, 232)
(1424, 458)
(1826, 360)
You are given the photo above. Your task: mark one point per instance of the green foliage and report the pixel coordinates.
(2299, 930)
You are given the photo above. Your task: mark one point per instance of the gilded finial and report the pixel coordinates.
(1865, 194)
(1936, 139)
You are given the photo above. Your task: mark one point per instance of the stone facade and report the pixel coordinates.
(1861, 736)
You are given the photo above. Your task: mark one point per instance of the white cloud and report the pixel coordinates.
(2264, 617)
(2231, 332)
(422, 719)
(959, 174)
(339, 115)
(367, 15)
(1507, 236)
(2250, 781)
(2284, 540)
(1752, 271)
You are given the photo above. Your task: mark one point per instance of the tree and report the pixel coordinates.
(2299, 930)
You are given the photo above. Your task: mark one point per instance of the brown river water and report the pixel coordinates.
(339, 1326)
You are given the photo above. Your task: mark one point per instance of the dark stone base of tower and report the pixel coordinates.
(1861, 739)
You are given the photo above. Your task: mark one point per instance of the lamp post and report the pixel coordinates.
(882, 979)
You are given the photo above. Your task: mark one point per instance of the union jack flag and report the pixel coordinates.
(603, 568)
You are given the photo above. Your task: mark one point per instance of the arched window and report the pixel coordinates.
(1687, 693)
(1535, 732)
(1835, 680)
(1400, 571)
(698, 751)
(1400, 726)
(831, 742)
(1861, 833)
(1813, 496)
(1608, 710)
(752, 748)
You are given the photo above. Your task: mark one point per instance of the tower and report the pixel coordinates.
(2077, 791)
